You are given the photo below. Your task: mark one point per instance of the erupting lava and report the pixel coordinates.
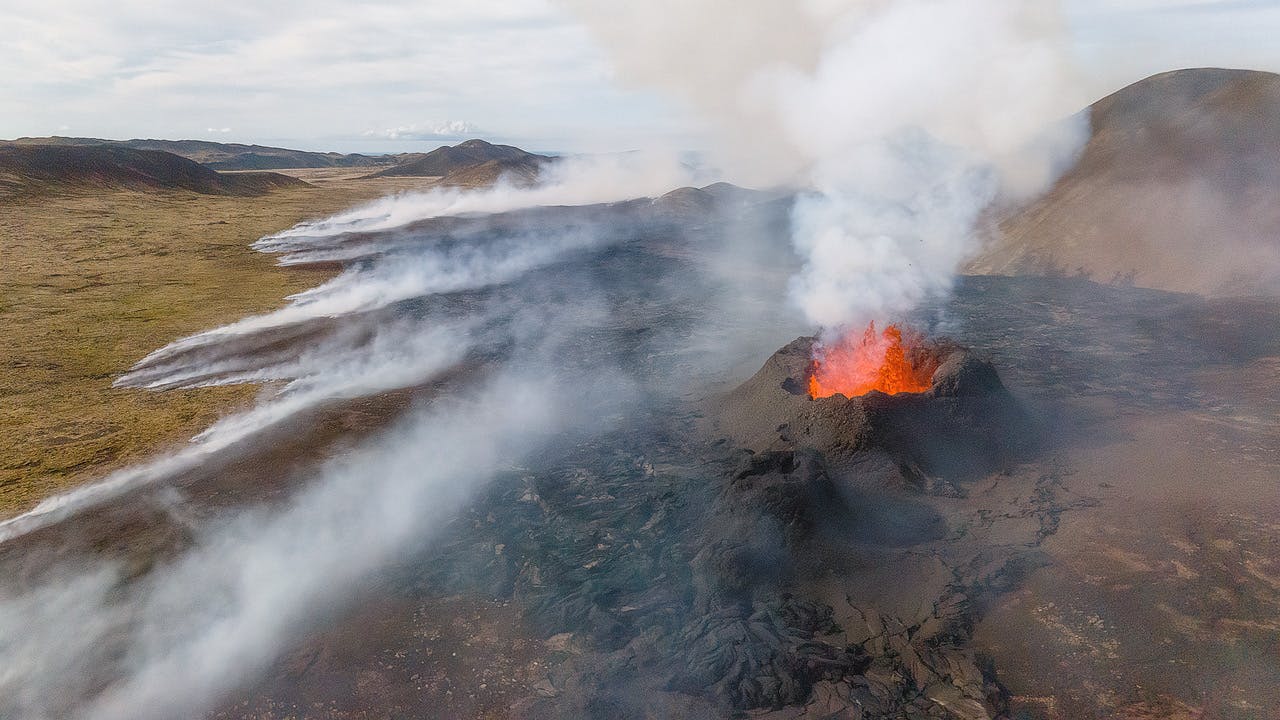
(857, 365)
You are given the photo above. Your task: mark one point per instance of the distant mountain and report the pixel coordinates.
(1178, 188)
(521, 172)
(473, 163)
(35, 169)
(469, 156)
(229, 156)
(687, 202)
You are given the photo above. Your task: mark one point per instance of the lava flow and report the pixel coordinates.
(857, 365)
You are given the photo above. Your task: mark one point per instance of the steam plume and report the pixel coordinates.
(905, 118)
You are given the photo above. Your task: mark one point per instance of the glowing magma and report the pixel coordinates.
(856, 365)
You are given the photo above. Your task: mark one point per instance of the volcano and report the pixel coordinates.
(928, 414)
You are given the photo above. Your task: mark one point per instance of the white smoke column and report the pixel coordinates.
(905, 117)
(874, 256)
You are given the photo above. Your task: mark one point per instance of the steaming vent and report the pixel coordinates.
(927, 410)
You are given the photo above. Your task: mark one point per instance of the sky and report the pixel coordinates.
(409, 75)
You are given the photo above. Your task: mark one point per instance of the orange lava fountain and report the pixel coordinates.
(857, 365)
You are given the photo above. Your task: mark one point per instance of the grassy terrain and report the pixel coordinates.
(90, 283)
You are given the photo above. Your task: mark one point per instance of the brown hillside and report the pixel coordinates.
(1176, 189)
(40, 169)
(451, 159)
(522, 172)
(229, 156)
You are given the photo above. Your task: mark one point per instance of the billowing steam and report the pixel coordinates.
(906, 119)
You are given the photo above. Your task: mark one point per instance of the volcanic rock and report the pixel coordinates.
(760, 635)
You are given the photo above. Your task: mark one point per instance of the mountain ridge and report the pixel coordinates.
(448, 159)
(37, 169)
(224, 156)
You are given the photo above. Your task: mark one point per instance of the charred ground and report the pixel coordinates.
(674, 563)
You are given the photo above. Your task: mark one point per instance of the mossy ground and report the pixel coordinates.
(90, 283)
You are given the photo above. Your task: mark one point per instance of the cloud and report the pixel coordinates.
(1122, 42)
(521, 69)
(427, 131)
(221, 131)
(328, 69)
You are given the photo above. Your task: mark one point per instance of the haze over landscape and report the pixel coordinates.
(395, 76)
(838, 359)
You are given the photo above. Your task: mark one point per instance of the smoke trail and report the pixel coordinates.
(390, 279)
(171, 643)
(220, 612)
(904, 117)
(546, 321)
(400, 354)
(578, 180)
(354, 342)
(272, 572)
